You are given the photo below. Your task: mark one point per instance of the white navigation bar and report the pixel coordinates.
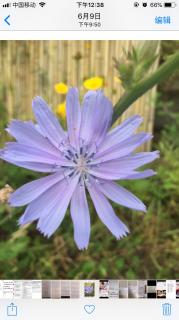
(95, 15)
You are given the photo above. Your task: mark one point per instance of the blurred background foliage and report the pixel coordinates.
(136, 63)
(152, 248)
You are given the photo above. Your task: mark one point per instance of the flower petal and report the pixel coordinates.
(25, 132)
(109, 172)
(48, 224)
(50, 206)
(141, 175)
(122, 149)
(135, 161)
(73, 110)
(124, 167)
(48, 123)
(120, 195)
(96, 117)
(21, 153)
(30, 191)
(121, 132)
(106, 212)
(35, 166)
(80, 217)
(41, 206)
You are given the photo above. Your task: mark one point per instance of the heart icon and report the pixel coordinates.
(89, 308)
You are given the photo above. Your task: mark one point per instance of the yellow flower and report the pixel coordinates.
(93, 83)
(61, 110)
(117, 79)
(61, 88)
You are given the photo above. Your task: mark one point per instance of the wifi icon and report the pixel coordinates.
(42, 4)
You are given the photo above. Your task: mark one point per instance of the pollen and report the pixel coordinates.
(81, 164)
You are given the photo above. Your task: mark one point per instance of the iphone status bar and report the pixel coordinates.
(104, 15)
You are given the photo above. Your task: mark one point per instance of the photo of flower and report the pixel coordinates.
(86, 156)
(89, 159)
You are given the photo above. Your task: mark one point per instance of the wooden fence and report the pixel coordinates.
(30, 68)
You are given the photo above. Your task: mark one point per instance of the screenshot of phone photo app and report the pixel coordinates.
(89, 161)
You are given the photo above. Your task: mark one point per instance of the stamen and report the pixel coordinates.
(70, 153)
(54, 167)
(82, 157)
(88, 182)
(71, 174)
(67, 157)
(68, 175)
(92, 150)
(86, 178)
(81, 182)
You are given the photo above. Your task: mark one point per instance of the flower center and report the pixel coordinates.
(80, 158)
(81, 164)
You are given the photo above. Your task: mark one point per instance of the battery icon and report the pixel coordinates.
(169, 4)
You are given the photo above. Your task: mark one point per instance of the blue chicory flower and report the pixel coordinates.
(87, 156)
